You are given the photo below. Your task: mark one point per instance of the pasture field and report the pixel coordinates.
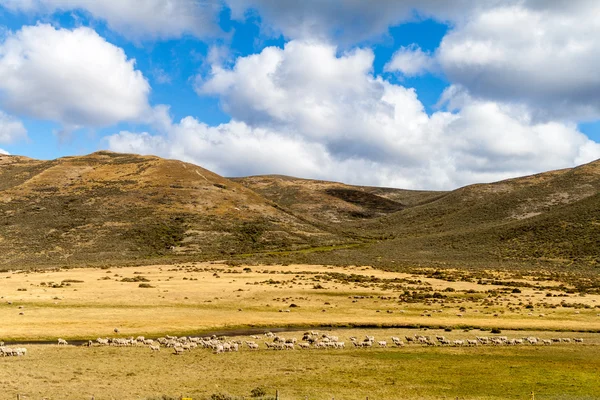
(197, 298)
(561, 371)
(202, 298)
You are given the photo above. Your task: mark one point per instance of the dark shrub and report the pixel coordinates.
(258, 392)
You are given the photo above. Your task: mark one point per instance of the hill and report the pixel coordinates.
(334, 203)
(551, 219)
(109, 207)
(123, 208)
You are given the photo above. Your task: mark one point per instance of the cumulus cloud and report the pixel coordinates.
(349, 21)
(74, 77)
(535, 52)
(410, 61)
(544, 57)
(137, 19)
(330, 118)
(11, 129)
(6, 153)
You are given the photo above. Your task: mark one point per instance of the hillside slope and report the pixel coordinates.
(121, 208)
(551, 218)
(109, 206)
(332, 202)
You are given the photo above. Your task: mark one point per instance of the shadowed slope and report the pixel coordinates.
(333, 202)
(551, 217)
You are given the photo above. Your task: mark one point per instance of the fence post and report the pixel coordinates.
(277, 395)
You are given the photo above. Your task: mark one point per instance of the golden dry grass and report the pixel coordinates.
(195, 298)
(202, 297)
(566, 371)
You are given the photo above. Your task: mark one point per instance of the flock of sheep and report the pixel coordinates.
(310, 340)
(11, 351)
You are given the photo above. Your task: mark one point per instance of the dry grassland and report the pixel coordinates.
(196, 298)
(563, 371)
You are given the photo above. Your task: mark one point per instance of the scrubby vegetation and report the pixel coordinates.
(111, 209)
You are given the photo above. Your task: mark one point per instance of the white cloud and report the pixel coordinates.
(6, 153)
(161, 76)
(74, 77)
(137, 19)
(11, 129)
(544, 57)
(232, 149)
(305, 110)
(410, 61)
(349, 21)
(539, 53)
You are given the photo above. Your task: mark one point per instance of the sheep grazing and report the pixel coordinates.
(252, 345)
(289, 346)
(311, 340)
(14, 352)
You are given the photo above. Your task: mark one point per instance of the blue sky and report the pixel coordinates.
(410, 94)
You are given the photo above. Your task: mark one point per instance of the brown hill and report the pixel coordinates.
(333, 202)
(551, 218)
(116, 208)
(108, 207)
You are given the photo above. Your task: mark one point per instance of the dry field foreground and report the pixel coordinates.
(199, 298)
(556, 372)
(193, 299)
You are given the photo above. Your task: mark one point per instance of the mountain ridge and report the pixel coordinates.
(111, 208)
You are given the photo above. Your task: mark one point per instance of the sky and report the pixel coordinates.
(415, 94)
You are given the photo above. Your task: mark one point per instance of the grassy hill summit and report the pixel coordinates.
(122, 208)
(109, 207)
